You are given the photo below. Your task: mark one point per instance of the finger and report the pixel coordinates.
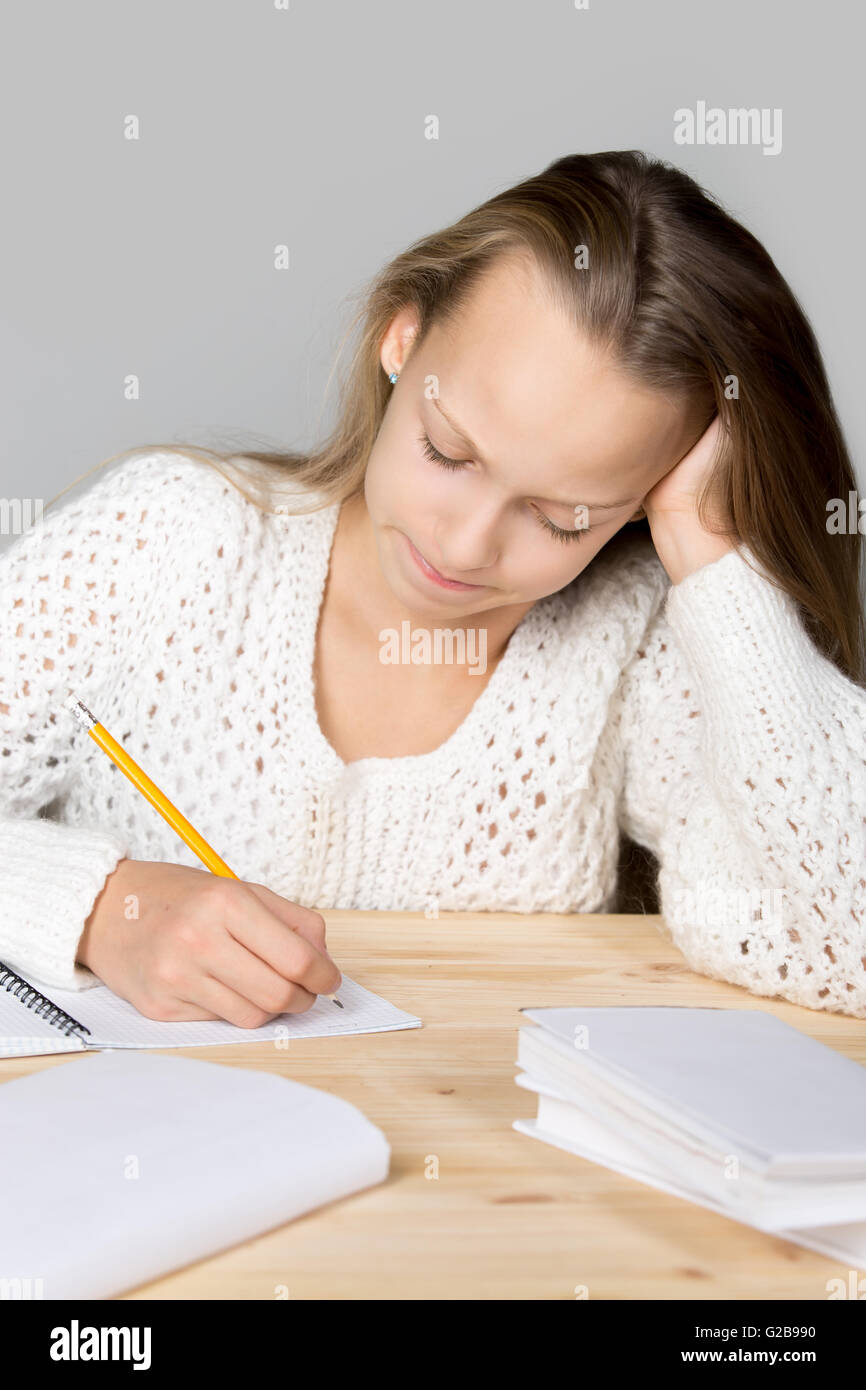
(182, 1011)
(233, 1007)
(302, 919)
(311, 925)
(282, 947)
(253, 979)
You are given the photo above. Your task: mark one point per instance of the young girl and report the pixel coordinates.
(599, 344)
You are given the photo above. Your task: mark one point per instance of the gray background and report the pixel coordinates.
(306, 127)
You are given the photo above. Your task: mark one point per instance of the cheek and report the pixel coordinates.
(399, 482)
(567, 563)
(570, 558)
(382, 482)
(545, 565)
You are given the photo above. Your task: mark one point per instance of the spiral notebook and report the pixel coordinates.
(32, 1022)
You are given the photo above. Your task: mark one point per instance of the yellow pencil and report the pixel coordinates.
(188, 833)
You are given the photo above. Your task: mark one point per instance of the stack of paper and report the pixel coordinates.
(729, 1108)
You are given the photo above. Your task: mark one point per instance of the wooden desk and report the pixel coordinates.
(508, 1217)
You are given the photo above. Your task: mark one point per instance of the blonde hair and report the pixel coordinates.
(687, 301)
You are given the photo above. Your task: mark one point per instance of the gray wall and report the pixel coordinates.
(306, 126)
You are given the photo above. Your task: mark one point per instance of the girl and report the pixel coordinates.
(588, 438)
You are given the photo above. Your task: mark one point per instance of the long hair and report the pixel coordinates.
(689, 303)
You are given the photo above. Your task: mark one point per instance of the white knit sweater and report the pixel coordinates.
(697, 718)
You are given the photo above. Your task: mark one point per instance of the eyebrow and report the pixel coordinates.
(592, 506)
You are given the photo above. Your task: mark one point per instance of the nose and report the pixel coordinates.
(466, 546)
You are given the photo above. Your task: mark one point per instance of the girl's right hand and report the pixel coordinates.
(182, 943)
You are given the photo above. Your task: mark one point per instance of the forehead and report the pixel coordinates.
(527, 384)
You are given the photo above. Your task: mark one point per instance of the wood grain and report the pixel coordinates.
(507, 1217)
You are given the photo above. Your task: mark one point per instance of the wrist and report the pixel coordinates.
(102, 908)
(684, 546)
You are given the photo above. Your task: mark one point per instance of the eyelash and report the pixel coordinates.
(452, 464)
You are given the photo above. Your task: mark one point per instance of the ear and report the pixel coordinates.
(396, 345)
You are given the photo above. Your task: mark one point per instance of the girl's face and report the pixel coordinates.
(556, 451)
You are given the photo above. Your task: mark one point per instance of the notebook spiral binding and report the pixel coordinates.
(39, 1003)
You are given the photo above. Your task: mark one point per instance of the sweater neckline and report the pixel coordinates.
(439, 763)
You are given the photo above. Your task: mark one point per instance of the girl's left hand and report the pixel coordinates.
(676, 493)
(682, 543)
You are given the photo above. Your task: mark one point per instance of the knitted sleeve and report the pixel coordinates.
(76, 593)
(745, 774)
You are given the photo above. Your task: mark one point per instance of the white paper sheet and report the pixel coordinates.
(117, 1167)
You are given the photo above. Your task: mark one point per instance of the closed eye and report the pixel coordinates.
(433, 453)
(445, 462)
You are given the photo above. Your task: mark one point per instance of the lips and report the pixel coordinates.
(435, 575)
